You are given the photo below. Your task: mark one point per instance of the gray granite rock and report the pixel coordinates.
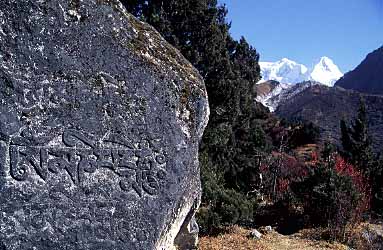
(100, 121)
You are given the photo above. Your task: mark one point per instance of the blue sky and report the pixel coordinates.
(304, 30)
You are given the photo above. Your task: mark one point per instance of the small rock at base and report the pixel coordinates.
(255, 234)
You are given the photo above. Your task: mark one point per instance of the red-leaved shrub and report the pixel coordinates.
(343, 168)
(335, 195)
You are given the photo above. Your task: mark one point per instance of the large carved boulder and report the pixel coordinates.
(100, 121)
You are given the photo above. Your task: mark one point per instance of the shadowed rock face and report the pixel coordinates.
(100, 121)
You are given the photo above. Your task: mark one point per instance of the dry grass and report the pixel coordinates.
(236, 239)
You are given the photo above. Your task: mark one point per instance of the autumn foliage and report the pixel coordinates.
(342, 167)
(335, 195)
(279, 172)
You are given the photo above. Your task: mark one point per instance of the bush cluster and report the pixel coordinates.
(334, 195)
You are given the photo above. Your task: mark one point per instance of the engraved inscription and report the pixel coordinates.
(140, 166)
(86, 222)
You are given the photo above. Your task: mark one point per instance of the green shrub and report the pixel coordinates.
(228, 207)
(221, 206)
(332, 197)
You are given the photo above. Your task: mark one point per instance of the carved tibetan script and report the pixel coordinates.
(139, 166)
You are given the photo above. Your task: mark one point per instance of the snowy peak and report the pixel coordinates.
(324, 60)
(292, 78)
(326, 72)
(284, 71)
(288, 71)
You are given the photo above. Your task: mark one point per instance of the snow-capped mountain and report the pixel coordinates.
(287, 71)
(293, 78)
(268, 98)
(281, 93)
(325, 72)
(284, 71)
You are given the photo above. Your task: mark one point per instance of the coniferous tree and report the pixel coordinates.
(328, 153)
(198, 28)
(346, 140)
(356, 141)
(362, 154)
(358, 150)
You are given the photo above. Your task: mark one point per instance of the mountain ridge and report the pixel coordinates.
(287, 71)
(325, 106)
(278, 92)
(367, 77)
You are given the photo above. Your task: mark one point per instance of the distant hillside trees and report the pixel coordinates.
(301, 132)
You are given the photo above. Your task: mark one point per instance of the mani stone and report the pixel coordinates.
(100, 121)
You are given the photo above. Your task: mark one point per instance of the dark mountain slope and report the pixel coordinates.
(325, 106)
(367, 77)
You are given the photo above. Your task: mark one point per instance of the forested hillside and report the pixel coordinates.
(325, 106)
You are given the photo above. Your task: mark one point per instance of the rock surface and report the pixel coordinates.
(373, 235)
(100, 121)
